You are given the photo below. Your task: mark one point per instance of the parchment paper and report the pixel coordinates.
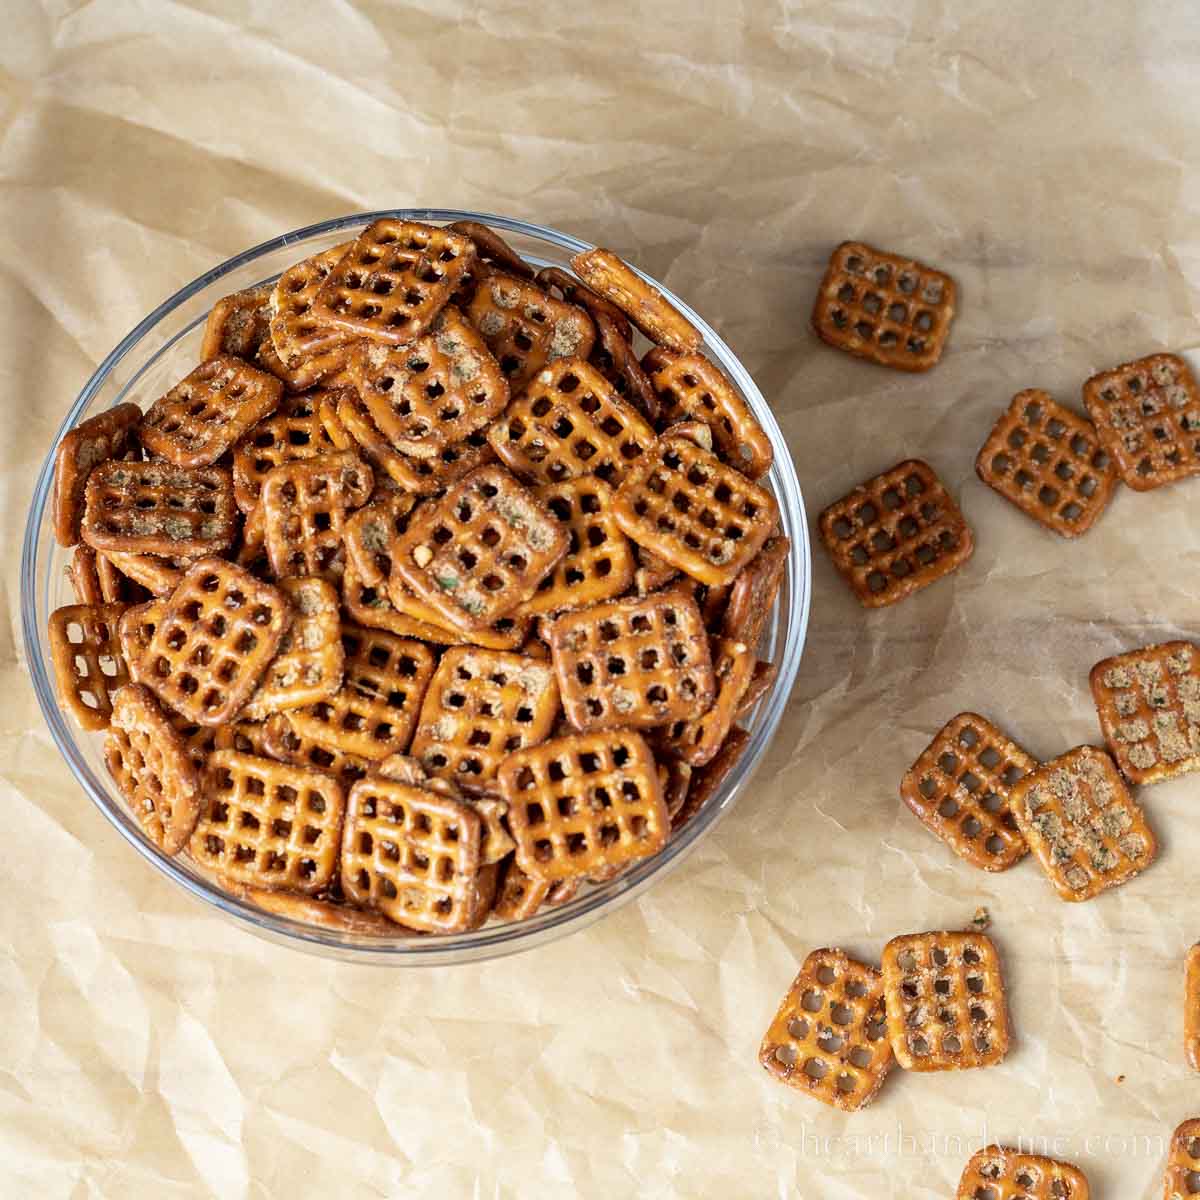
(1046, 155)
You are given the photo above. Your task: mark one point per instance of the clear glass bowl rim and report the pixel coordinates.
(490, 941)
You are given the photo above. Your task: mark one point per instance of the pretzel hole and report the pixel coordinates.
(975, 985)
(877, 581)
(846, 294)
(951, 1044)
(797, 1028)
(897, 312)
(854, 264)
(919, 1046)
(830, 1042)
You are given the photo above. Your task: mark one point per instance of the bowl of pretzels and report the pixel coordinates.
(416, 587)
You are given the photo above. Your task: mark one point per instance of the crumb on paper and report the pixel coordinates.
(982, 920)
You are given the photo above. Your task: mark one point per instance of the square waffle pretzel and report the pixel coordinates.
(998, 1173)
(583, 803)
(1080, 821)
(1191, 1007)
(89, 663)
(829, 1037)
(612, 278)
(149, 761)
(157, 508)
(480, 706)
(305, 504)
(280, 740)
(372, 529)
(697, 739)
(754, 590)
(269, 824)
(691, 388)
(375, 712)
(394, 280)
(879, 306)
(705, 782)
(1147, 414)
(238, 324)
(1049, 463)
(525, 328)
(309, 350)
(598, 564)
(1148, 701)
(568, 422)
(1183, 1162)
(294, 432)
(217, 633)
(896, 534)
(209, 410)
(479, 551)
(412, 854)
(636, 663)
(959, 790)
(434, 391)
(308, 665)
(944, 995)
(689, 508)
(107, 435)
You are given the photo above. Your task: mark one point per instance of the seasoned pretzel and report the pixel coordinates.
(706, 782)
(95, 579)
(269, 824)
(89, 664)
(412, 854)
(525, 328)
(309, 349)
(883, 307)
(999, 1173)
(574, 291)
(434, 391)
(583, 803)
(1082, 824)
(370, 532)
(568, 422)
(652, 572)
(1191, 1007)
(157, 508)
(207, 411)
(1147, 415)
(697, 739)
(828, 1038)
(491, 247)
(695, 512)
(1049, 462)
(754, 590)
(135, 629)
(238, 324)
(480, 706)
(217, 633)
(282, 741)
(479, 551)
(107, 435)
(394, 280)
(960, 790)
(305, 504)
(157, 575)
(149, 761)
(1148, 701)
(642, 303)
(946, 1008)
(896, 534)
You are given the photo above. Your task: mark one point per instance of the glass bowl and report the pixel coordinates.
(160, 351)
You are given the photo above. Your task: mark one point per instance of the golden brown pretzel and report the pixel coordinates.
(111, 434)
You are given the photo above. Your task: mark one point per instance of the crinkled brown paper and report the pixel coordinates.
(1043, 153)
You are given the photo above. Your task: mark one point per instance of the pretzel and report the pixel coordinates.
(582, 803)
(1147, 416)
(691, 509)
(207, 411)
(1191, 1007)
(828, 1038)
(960, 791)
(434, 391)
(891, 310)
(1148, 701)
(752, 596)
(568, 422)
(614, 358)
(95, 579)
(375, 712)
(1082, 824)
(676, 778)
(1183, 1162)
(575, 291)
(491, 247)
(89, 665)
(238, 324)
(480, 706)
(636, 663)
(525, 328)
(217, 633)
(697, 739)
(1049, 463)
(762, 680)
(305, 504)
(107, 435)
(309, 349)
(135, 630)
(521, 895)
(706, 782)
(370, 531)
(599, 563)
(269, 824)
(690, 387)
(319, 911)
(157, 575)
(998, 1173)
(944, 995)
(652, 572)
(308, 665)
(394, 280)
(895, 534)
(149, 762)
(157, 508)
(412, 854)
(642, 303)
(479, 551)
(282, 741)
